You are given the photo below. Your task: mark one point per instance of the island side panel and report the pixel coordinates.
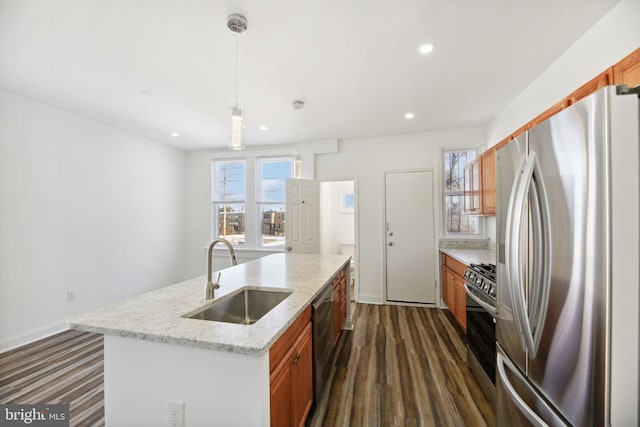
(218, 388)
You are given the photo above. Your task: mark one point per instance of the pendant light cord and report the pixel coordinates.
(237, 42)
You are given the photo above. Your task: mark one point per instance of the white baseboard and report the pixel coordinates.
(32, 335)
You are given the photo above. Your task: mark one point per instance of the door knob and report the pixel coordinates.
(390, 244)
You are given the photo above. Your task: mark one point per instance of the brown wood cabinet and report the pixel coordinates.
(598, 82)
(553, 110)
(627, 71)
(480, 185)
(473, 187)
(291, 374)
(453, 292)
(489, 182)
(339, 303)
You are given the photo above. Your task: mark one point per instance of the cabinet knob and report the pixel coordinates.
(390, 244)
(296, 359)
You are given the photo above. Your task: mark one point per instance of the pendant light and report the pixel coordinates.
(237, 24)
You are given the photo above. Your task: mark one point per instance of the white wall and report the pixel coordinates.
(335, 227)
(366, 160)
(218, 388)
(198, 207)
(83, 206)
(612, 38)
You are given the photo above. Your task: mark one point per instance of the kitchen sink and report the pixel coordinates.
(245, 307)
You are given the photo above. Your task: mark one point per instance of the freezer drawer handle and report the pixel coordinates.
(515, 398)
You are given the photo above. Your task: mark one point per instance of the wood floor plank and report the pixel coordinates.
(65, 368)
(410, 370)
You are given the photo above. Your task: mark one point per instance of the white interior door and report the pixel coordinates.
(410, 237)
(302, 229)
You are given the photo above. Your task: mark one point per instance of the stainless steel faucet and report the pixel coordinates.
(208, 290)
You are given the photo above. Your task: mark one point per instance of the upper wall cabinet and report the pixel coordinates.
(627, 71)
(489, 182)
(473, 187)
(598, 82)
(480, 185)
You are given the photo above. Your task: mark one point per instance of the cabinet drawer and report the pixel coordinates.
(456, 266)
(283, 345)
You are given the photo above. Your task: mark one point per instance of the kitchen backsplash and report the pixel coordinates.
(467, 244)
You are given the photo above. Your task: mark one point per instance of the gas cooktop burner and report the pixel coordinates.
(483, 278)
(487, 270)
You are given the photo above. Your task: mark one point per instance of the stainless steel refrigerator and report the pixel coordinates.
(568, 260)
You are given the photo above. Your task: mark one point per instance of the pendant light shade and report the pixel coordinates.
(237, 130)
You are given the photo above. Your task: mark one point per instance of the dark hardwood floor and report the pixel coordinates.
(400, 366)
(65, 368)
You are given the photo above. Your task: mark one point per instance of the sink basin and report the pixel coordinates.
(245, 307)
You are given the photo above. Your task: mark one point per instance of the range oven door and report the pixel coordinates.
(481, 333)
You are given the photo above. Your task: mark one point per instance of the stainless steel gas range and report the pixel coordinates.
(480, 285)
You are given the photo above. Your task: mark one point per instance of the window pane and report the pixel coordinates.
(273, 176)
(231, 222)
(230, 181)
(457, 222)
(272, 224)
(454, 163)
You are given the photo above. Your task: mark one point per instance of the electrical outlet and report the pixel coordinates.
(176, 414)
(71, 295)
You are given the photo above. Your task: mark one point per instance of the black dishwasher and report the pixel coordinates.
(322, 339)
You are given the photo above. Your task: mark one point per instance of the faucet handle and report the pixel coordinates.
(216, 285)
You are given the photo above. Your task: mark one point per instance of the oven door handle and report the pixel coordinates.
(492, 310)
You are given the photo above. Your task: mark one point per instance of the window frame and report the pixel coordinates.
(252, 203)
(259, 162)
(479, 222)
(216, 201)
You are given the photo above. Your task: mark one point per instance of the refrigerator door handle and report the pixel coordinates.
(541, 282)
(513, 249)
(513, 395)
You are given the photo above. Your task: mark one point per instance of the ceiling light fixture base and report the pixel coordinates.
(237, 23)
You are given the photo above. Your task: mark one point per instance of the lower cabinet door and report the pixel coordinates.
(461, 301)
(281, 393)
(302, 378)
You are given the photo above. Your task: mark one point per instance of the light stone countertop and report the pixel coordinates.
(157, 315)
(471, 256)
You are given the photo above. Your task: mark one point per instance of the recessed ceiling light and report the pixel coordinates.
(175, 134)
(425, 48)
(263, 127)
(409, 116)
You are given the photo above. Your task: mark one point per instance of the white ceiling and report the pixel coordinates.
(154, 67)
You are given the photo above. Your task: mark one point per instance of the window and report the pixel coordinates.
(271, 196)
(251, 213)
(456, 222)
(229, 197)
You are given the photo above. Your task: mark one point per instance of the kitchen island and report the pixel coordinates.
(154, 355)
